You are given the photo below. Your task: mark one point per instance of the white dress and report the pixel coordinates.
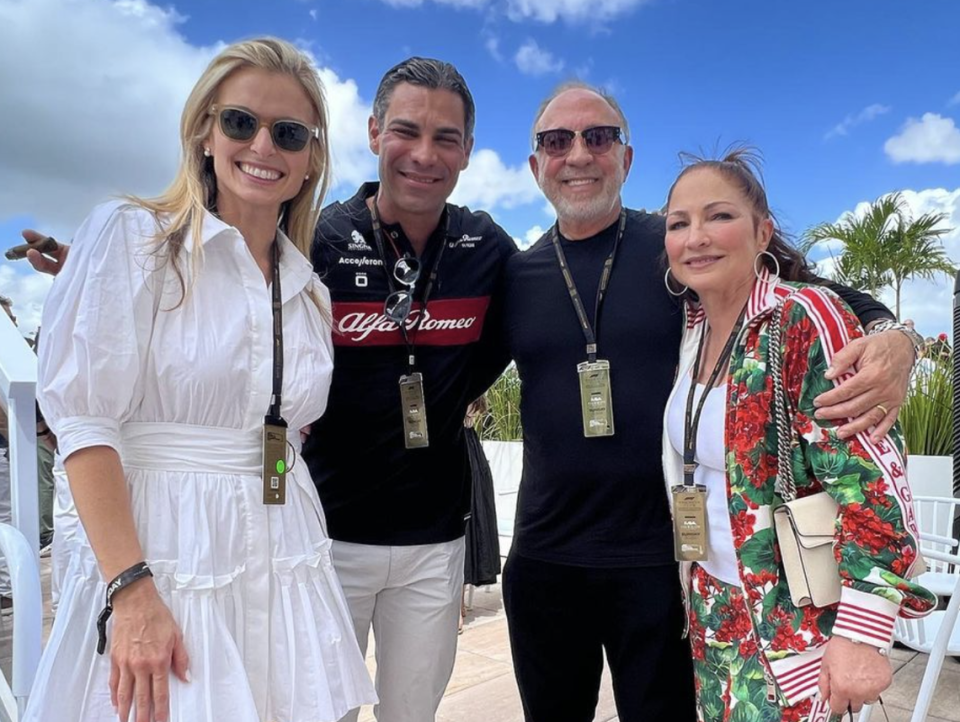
(181, 395)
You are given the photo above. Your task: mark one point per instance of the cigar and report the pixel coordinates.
(46, 245)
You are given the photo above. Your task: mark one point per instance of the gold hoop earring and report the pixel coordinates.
(666, 282)
(775, 263)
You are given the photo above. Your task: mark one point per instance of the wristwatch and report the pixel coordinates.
(890, 325)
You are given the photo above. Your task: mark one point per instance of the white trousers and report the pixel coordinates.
(411, 596)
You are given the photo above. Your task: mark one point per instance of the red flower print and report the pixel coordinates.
(742, 526)
(866, 529)
(876, 492)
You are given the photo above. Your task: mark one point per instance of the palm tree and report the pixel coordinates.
(885, 246)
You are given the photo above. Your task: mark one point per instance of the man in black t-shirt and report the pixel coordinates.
(591, 569)
(396, 514)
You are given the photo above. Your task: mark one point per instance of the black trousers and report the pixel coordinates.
(563, 618)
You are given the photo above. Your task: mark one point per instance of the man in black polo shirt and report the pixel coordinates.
(591, 569)
(413, 282)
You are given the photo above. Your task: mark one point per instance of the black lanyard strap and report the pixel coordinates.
(591, 331)
(274, 412)
(409, 341)
(691, 419)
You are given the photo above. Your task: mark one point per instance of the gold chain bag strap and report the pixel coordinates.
(805, 527)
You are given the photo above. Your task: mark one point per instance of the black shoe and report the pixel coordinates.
(6, 604)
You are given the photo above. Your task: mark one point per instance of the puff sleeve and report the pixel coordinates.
(96, 323)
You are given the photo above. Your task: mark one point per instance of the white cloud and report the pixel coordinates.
(827, 266)
(853, 120)
(593, 12)
(531, 59)
(27, 291)
(588, 11)
(453, 3)
(928, 303)
(353, 163)
(955, 100)
(96, 118)
(529, 238)
(313, 14)
(492, 44)
(932, 139)
(488, 183)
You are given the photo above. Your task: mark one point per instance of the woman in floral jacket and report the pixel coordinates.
(756, 655)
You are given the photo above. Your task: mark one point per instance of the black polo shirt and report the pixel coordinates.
(374, 491)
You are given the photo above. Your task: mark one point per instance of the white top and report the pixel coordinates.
(711, 472)
(181, 394)
(215, 351)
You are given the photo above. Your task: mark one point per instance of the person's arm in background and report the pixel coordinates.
(51, 263)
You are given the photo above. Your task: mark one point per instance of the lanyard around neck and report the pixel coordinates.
(691, 419)
(591, 331)
(274, 412)
(409, 341)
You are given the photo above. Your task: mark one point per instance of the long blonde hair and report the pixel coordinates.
(194, 189)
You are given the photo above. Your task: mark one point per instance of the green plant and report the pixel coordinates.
(885, 246)
(502, 422)
(927, 413)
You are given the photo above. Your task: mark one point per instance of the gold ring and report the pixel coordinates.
(883, 409)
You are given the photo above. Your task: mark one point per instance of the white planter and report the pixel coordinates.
(930, 475)
(506, 465)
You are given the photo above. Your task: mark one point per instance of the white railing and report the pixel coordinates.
(20, 543)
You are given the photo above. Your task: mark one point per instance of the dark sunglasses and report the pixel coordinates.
(598, 139)
(398, 305)
(242, 125)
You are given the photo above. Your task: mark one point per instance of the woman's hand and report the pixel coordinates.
(852, 675)
(146, 646)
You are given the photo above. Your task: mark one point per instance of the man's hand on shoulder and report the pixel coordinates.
(872, 397)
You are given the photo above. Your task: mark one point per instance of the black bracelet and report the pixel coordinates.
(123, 579)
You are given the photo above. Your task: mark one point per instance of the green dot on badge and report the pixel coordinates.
(281, 466)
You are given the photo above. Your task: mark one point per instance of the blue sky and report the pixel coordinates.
(847, 100)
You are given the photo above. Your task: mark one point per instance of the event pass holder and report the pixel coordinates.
(274, 461)
(414, 409)
(596, 399)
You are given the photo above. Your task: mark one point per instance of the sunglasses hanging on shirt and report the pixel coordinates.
(397, 308)
(398, 305)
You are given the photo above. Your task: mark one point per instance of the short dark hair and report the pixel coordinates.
(426, 73)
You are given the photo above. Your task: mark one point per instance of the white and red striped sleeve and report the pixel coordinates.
(866, 618)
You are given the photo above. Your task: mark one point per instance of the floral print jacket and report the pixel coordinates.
(876, 532)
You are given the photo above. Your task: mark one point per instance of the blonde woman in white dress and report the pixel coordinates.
(157, 372)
